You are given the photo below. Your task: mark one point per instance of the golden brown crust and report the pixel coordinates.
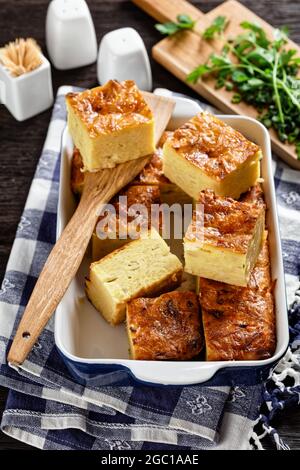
(239, 322)
(227, 223)
(138, 194)
(152, 173)
(77, 175)
(260, 279)
(213, 146)
(165, 136)
(255, 195)
(111, 107)
(143, 195)
(165, 328)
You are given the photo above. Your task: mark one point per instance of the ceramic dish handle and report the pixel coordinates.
(160, 372)
(167, 10)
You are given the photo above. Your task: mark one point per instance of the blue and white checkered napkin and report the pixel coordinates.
(48, 409)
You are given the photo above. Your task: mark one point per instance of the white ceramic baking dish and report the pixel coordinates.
(97, 352)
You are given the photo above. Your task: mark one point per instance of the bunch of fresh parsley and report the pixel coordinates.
(263, 74)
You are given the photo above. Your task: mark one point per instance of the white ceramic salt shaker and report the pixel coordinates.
(28, 94)
(70, 34)
(123, 56)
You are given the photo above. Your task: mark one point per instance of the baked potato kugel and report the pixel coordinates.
(165, 328)
(239, 322)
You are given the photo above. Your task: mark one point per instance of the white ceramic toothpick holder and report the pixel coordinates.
(123, 56)
(29, 94)
(70, 34)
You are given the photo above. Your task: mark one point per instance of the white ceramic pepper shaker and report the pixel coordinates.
(70, 34)
(123, 56)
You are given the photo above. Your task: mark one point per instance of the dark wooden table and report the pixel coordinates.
(21, 143)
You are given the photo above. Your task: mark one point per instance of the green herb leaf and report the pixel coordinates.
(185, 19)
(239, 76)
(226, 49)
(229, 86)
(169, 28)
(266, 121)
(220, 83)
(217, 27)
(260, 57)
(255, 82)
(280, 36)
(261, 37)
(237, 98)
(219, 60)
(287, 56)
(197, 73)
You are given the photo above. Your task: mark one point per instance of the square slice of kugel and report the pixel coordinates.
(239, 322)
(226, 244)
(110, 124)
(165, 328)
(206, 153)
(143, 267)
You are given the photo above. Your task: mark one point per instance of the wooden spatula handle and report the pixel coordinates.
(167, 10)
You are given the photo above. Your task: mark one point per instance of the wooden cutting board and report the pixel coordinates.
(181, 53)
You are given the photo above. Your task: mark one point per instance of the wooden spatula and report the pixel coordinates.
(66, 256)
